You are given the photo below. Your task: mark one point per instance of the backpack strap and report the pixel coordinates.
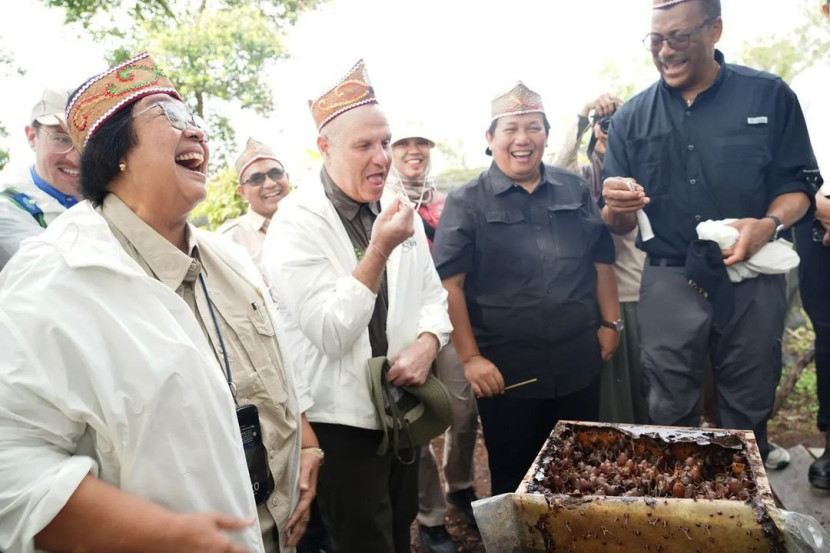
(24, 202)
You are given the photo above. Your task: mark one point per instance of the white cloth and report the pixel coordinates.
(775, 258)
(106, 371)
(16, 224)
(247, 230)
(812, 86)
(309, 261)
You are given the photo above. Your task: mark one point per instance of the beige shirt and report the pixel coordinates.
(248, 231)
(254, 356)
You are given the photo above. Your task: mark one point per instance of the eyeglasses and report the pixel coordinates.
(179, 117)
(676, 41)
(58, 142)
(258, 179)
(605, 124)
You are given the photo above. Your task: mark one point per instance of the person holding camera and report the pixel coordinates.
(621, 398)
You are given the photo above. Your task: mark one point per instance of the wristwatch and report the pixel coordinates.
(779, 227)
(616, 325)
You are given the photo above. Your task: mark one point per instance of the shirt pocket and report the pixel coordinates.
(569, 229)
(505, 244)
(650, 159)
(258, 338)
(742, 159)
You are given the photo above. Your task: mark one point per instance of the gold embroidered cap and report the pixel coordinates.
(516, 101)
(254, 150)
(351, 91)
(109, 92)
(663, 4)
(49, 109)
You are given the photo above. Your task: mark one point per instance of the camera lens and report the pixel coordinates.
(604, 124)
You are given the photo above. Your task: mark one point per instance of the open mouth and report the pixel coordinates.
(375, 179)
(191, 161)
(522, 155)
(274, 194)
(72, 173)
(673, 67)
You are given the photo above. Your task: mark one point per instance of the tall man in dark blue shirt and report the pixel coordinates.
(528, 267)
(709, 140)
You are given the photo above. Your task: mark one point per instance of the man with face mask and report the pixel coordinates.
(709, 140)
(621, 398)
(31, 199)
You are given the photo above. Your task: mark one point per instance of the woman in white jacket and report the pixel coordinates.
(118, 427)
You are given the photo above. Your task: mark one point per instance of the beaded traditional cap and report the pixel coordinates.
(351, 91)
(109, 92)
(254, 150)
(662, 4)
(518, 100)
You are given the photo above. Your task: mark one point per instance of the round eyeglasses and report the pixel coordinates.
(58, 142)
(676, 41)
(179, 117)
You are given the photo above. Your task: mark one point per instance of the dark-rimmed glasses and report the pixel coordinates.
(257, 179)
(676, 41)
(58, 142)
(178, 116)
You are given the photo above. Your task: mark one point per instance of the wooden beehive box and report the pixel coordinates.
(581, 495)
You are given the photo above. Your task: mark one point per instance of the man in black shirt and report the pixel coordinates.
(527, 264)
(708, 141)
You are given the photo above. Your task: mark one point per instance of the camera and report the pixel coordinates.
(604, 123)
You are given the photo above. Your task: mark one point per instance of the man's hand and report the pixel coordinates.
(754, 233)
(823, 214)
(623, 195)
(606, 104)
(411, 366)
(203, 533)
(483, 376)
(298, 521)
(393, 225)
(609, 341)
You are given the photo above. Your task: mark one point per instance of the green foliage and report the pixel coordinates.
(788, 54)
(6, 68)
(222, 201)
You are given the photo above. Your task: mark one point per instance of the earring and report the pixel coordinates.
(122, 166)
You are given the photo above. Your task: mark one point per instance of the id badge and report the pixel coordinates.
(262, 483)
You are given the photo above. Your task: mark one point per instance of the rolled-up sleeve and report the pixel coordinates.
(794, 167)
(37, 441)
(454, 247)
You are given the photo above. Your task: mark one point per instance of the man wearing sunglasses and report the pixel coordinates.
(263, 182)
(708, 141)
(31, 199)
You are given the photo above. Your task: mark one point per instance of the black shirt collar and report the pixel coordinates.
(343, 204)
(501, 183)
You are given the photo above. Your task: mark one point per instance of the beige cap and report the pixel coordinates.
(410, 129)
(50, 108)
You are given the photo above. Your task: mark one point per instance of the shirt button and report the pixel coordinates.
(275, 501)
(697, 217)
(693, 181)
(688, 113)
(690, 147)
(537, 227)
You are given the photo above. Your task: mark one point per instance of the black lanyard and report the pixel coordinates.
(231, 385)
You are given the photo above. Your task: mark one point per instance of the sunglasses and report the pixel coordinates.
(258, 179)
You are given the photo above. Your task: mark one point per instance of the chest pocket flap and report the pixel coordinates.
(507, 216)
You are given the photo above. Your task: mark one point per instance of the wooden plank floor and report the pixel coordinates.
(793, 489)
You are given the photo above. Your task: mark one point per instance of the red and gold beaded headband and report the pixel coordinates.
(351, 91)
(109, 92)
(516, 101)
